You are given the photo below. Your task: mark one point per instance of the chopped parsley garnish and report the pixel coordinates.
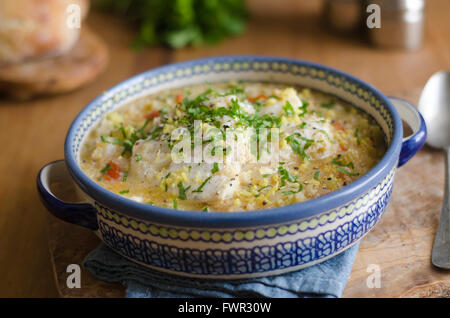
(286, 176)
(196, 109)
(125, 176)
(182, 190)
(166, 187)
(288, 109)
(357, 136)
(205, 208)
(138, 157)
(319, 113)
(175, 203)
(327, 135)
(103, 138)
(104, 171)
(347, 172)
(300, 188)
(336, 161)
(304, 108)
(296, 145)
(261, 189)
(150, 202)
(215, 167)
(124, 191)
(267, 186)
(155, 133)
(128, 140)
(329, 105)
(302, 125)
(122, 130)
(316, 175)
(200, 188)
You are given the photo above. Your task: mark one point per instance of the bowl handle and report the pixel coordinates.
(83, 214)
(414, 142)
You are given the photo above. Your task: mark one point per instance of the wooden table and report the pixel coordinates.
(32, 134)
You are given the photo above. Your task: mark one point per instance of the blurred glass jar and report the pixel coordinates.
(402, 24)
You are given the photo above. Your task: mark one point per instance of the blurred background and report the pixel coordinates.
(49, 72)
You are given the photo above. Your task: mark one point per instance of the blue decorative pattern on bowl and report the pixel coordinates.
(242, 244)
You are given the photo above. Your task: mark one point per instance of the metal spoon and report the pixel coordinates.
(434, 104)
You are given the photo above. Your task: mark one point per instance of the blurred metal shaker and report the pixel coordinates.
(402, 24)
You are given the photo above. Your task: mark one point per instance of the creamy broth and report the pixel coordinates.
(316, 144)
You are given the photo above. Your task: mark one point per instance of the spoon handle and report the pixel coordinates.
(440, 256)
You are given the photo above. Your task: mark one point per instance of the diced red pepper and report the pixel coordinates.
(179, 98)
(338, 125)
(260, 96)
(113, 171)
(152, 115)
(343, 147)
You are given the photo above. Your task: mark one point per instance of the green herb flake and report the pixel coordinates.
(103, 138)
(288, 109)
(328, 105)
(358, 141)
(175, 203)
(300, 188)
(296, 145)
(138, 157)
(200, 188)
(262, 189)
(125, 176)
(336, 161)
(104, 171)
(182, 190)
(215, 167)
(285, 175)
(304, 108)
(347, 172)
(316, 175)
(124, 191)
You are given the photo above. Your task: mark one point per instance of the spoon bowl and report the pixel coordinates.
(434, 105)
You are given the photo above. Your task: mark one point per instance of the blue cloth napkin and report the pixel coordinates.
(326, 279)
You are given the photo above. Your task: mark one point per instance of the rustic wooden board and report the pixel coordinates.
(69, 244)
(400, 244)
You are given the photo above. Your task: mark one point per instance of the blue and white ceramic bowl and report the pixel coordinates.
(243, 244)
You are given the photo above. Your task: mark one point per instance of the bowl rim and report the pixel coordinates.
(244, 219)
